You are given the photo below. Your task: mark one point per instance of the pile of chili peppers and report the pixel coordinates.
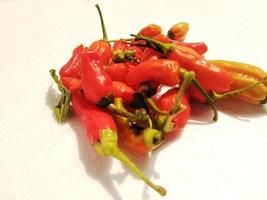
(138, 90)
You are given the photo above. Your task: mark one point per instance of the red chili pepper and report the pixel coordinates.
(102, 46)
(151, 30)
(210, 76)
(162, 71)
(104, 50)
(123, 91)
(166, 102)
(199, 47)
(95, 81)
(73, 67)
(101, 130)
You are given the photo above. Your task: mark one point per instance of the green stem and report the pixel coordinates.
(62, 109)
(139, 115)
(152, 138)
(166, 48)
(216, 96)
(105, 37)
(207, 97)
(108, 146)
(118, 111)
(155, 107)
(127, 39)
(188, 76)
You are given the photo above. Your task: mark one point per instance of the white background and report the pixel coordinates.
(40, 159)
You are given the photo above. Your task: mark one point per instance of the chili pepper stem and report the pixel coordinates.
(152, 104)
(188, 76)
(121, 112)
(108, 146)
(216, 96)
(126, 39)
(140, 115)
(152, 138)
(207, 97)
(105, 37)
(164, 47)
(62, 109)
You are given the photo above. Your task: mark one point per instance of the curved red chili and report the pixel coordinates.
(162, 71)
(210, 76)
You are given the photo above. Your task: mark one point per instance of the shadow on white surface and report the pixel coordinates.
(202, 114)
(146, 163)
(241, 110)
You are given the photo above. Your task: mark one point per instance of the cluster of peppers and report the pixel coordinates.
(138, 90)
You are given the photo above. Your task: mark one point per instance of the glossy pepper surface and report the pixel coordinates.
(150, 30)
(95, 82)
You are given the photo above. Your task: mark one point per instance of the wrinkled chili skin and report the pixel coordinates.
(162, 71)
(95, 82)
(93, 118)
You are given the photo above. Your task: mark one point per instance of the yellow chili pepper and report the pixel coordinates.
(245, 76)
(178, 31)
